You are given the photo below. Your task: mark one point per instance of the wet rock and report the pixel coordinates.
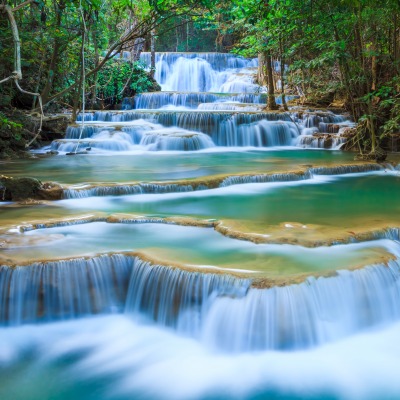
(15, 189)
(21, 189)
(54, 126)
(50, 191)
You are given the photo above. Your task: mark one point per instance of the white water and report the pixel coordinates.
(123, 357)
(219, 310)
(210, 100)
(189, 335)
(115, 358)
(204, 72)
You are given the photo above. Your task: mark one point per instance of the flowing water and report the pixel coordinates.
(202, 248)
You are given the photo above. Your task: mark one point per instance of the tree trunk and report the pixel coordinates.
(78, 89)
(96, 60)
(271, 104)
(51, 71)
(261, 72)
(282, 71)
(265, 78)
(153, 53)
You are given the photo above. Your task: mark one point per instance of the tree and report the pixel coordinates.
(62, 40)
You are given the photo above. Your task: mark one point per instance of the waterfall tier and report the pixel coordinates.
(204, 72)
(233, 129)
(151, 138)
(158, 100)
(213, 182)
(222, 311)
(217, 61)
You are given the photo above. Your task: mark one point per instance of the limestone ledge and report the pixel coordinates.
(258, 282)
(216, 181)
(30, 190)
(259, 279)
(293, 233)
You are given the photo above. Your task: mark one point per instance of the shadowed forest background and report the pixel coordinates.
(342, 53)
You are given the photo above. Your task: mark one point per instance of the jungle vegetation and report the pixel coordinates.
(337, 52)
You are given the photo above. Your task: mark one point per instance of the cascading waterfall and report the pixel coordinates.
(119, 190)
(212, 94)
(199, 72)
(158, 100)
(176, 139)
(321, 141)
(225, 128)
(221, 310)
(217, 61)
(63, 289)
(177, 298)
(309, 314)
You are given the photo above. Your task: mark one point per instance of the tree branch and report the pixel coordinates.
(17, 73)
(25, 3)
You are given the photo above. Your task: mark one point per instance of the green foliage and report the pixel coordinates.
(344, 48)
(349, 48)
(121, 79)
(13, 137)
(14, 128)
(52, 32)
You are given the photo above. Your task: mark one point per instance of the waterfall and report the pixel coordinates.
(177, 298)
(176, 139)
(225, 128)
(158, 100)
(221, 310)
(309, 314)
(346, 169)
(320, 141)
(211, 96)
(63, 289)
(217, 61)
(200, 72)
(241, 179)
(119, 190)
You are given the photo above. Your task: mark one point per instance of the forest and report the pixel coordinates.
(341, 53)
(199, 199)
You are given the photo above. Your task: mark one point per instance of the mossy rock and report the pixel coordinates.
(51, 191)
(16, 189)
(19, 189)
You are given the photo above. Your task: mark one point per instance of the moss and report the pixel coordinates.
(20, 189)
(16, 189)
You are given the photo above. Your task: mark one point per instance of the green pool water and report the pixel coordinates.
(191, 246)
(162, 166)
(314, 207)
(341, 201)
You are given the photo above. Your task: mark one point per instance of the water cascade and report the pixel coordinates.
(212, 94)
(222, 311)
(196, 251)
(198, 72)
